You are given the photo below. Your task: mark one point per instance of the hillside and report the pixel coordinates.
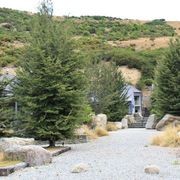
(128, 43)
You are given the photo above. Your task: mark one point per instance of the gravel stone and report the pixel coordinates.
(119, 156)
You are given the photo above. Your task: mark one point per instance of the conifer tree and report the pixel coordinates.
(51, 83)
(107, 91)
(166, 96)
(6, 108)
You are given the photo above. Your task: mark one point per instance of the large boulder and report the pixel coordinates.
(33, 155)
(99, 120)
(118, 125)
(124, 122)
(167, 120)
(130, 119)
(6, 143)
(151, 122)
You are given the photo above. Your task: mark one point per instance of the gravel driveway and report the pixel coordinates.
(120, 156)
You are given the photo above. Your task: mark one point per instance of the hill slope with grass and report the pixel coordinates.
(128, 43)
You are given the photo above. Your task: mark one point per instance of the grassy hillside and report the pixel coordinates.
(105, 38)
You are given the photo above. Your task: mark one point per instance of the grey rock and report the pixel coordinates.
(151, 169)
(118, 125)
(99, 120)
(6, 143)
(124, 123)
(130, 119)
(32, 154)
(167, 120)
(151, 122)
(78, 168)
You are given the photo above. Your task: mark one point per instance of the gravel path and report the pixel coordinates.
(120, 156)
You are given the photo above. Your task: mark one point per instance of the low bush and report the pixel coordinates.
(170, 137)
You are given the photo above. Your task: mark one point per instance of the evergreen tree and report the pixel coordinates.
(107, 91)
(166, 96)
(51, 83)
(6, 109)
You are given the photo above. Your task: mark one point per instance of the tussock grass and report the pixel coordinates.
(4, 162)
(90, 133)
(101, 132)
(111, 127)
(1, 156)
(8, 163)
(169, 138)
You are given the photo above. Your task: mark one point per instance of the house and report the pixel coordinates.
(134, 97)
(8, 90)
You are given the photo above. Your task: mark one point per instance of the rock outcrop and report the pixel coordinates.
(167, 120)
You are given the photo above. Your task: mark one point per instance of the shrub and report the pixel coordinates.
(111, 127)
(101, 132)
(169, 138)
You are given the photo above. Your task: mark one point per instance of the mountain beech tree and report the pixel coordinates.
(51, 82)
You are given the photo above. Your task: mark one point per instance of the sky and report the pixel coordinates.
(131, 9)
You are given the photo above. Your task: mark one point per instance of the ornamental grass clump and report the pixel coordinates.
(101, 131)
(111, 127)
(170, 137)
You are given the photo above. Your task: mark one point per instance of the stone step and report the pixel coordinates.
(137, 125)
(140, 123)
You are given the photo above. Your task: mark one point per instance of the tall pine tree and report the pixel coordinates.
(51, 83)
(166, 96)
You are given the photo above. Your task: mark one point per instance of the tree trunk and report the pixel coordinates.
(51, 143)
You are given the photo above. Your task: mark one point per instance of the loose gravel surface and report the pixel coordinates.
(120, 156)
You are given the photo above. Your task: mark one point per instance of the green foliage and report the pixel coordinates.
(51, 84)
(6, 109)
(166, 97)
(107, 28)
(107, 91)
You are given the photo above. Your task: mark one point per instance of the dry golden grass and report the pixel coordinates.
(101, 132)
(143, 43)
(131, 75)
(1, 156)
(90, 133)
(111, 127)
(176, 25)
(8, 163)
(51, 149)
(5, 163)
(169, 138)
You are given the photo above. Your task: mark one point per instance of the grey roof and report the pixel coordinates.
(130, 92)
(132, 88)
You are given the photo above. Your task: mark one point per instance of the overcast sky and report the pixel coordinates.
(131, 9)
